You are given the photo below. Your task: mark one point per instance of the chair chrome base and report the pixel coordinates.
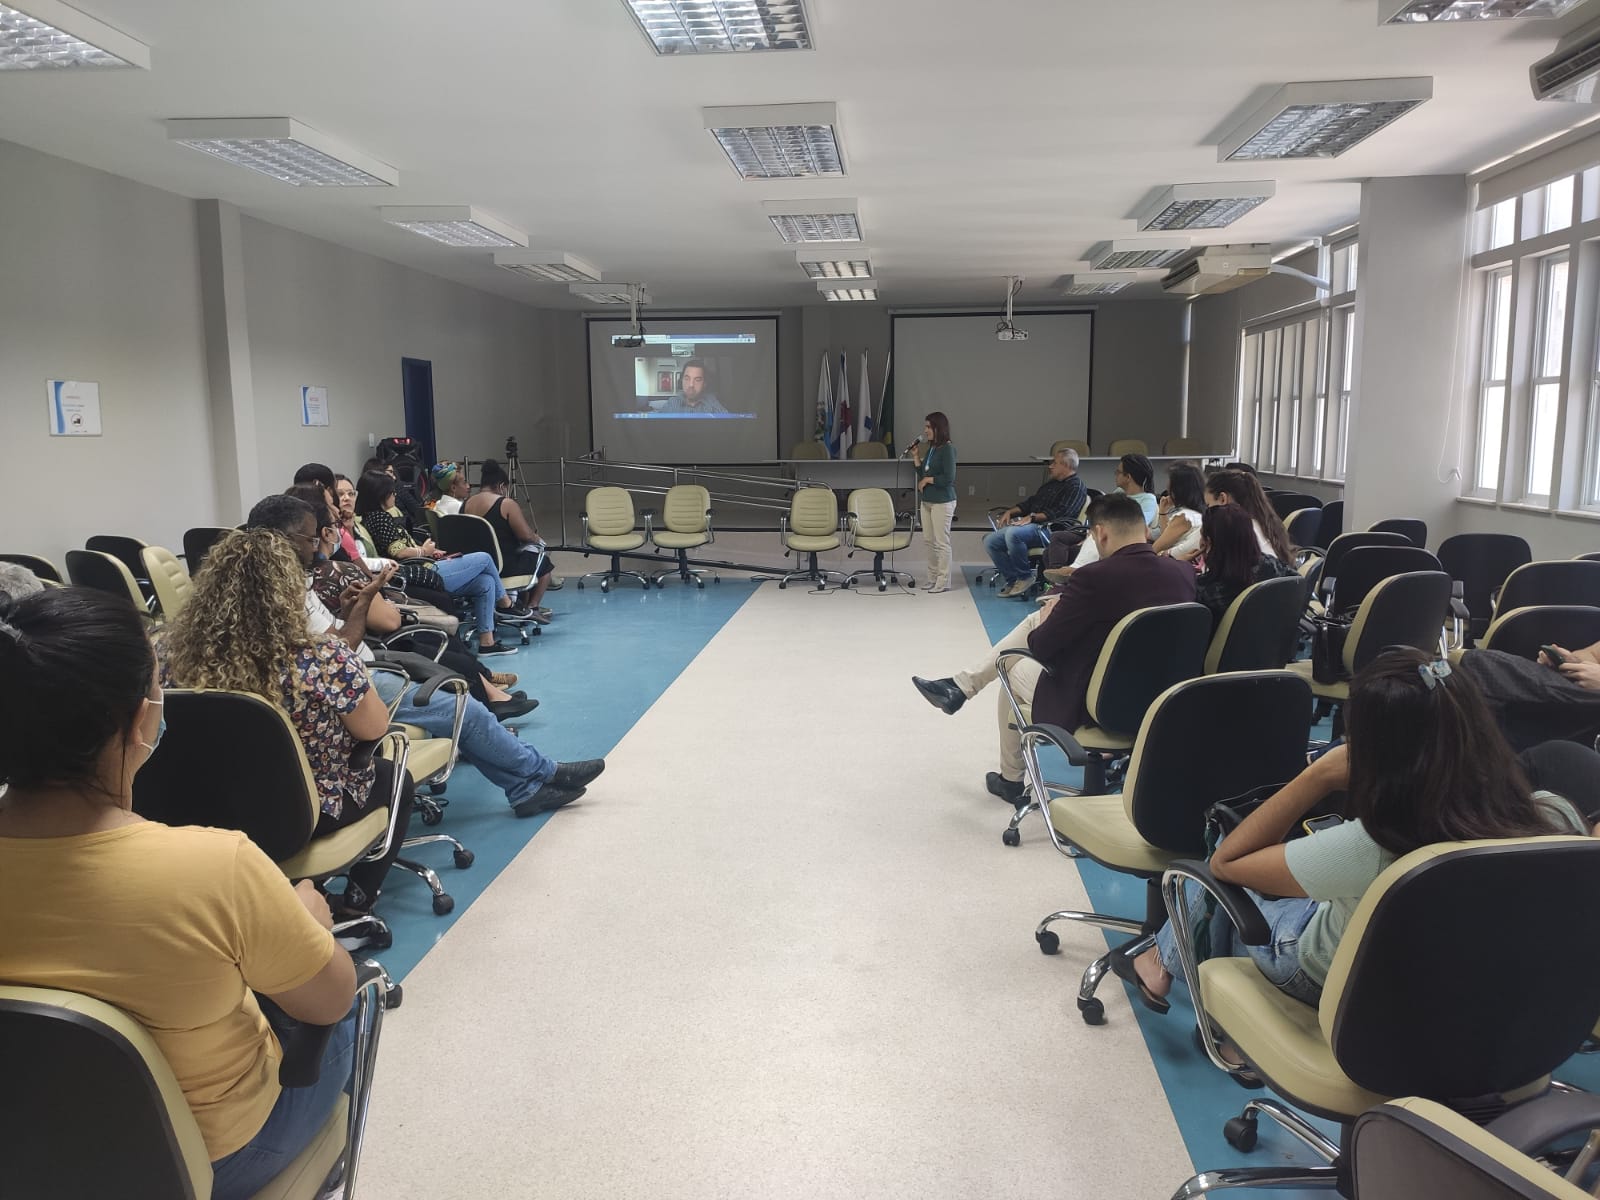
(694, 575)
(607, 578)
(884, 578)
(1241, 1134)
(820, 576)
(443, 902)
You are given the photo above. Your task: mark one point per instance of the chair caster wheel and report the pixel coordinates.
(443, 905)
(463, 859)
(883, 585)
(1011, 837)
(718, 579)
(1094, 1012)
(436, 789)
(1049, 941)
(701, 584)
(782, 585)
(604, 588)
(395, 998)
(580, 585)
(431, 817)
(1240, 1133)
(379, 941)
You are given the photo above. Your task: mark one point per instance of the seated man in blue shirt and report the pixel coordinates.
(692, 396)
(1027, 524)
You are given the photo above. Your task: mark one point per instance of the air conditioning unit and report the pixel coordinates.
(1212, 269)
(1571, 70)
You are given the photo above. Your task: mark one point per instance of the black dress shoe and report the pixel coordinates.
(577, 774)
(941, 693)
(547, 799)
(999, 785)
(506, 710)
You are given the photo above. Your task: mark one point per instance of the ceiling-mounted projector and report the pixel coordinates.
(1010, 333)
(1006, 331)
(628, 341)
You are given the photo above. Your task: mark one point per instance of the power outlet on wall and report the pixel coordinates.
(1022, 493)
(971, 490)
(372, 441)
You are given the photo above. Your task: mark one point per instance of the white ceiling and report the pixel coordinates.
(982, 139)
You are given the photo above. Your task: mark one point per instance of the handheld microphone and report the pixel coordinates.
(910, 448)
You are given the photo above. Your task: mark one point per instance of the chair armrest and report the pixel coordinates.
(1064, 741)
(417, 635)
(303, 1045)
(1534, 1124)
(1230, 897)
(1458, 601)
(649, 515)
(1018, 652)
(449, 681)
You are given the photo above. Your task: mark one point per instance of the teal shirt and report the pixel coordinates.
(939, 466)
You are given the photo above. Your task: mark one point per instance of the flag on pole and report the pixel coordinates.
(886, 405)
(847, 431)
(824, 401)
(869, 422)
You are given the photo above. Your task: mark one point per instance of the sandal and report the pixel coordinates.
(1122, 967)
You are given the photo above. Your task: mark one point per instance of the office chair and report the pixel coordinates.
(1285, 504)
(270, 796)
(1361, 567)
(1127, 446)
(1567, 581)
(808, 449)
(1332, 523)
(1182, 447)
(1591, 556)
(1480, 563)
(870, 525)
(1333, 558)
(1260, 630)
(1173, 777)
(1145, 653)
(465, 534)
(168, 578)
(1303, 526)
(869, 450)
(1060, 444)
(685, 526)
(1521, 631)
(102, 1113)
(104, 573)
(43, 568)
(1406, 1010)
(809, 527)
(197, 543)
(1402, 610)
(1411, 528)
(608, 526)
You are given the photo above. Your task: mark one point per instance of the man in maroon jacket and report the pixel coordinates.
(1070, 630)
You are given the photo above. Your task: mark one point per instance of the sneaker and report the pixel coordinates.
(556, 582)
(577, 774)
(496, 648)
(547, 799)
(541, 615)
(1016, 587)
(1057, 574)
(503, 679)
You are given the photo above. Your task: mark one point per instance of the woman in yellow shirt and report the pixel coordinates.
(176, 927)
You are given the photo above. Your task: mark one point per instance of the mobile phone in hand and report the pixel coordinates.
(1554, 656)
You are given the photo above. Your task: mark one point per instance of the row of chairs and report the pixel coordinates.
(1173, 447)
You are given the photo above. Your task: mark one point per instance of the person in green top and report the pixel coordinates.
(1453, 778)
(936, 489)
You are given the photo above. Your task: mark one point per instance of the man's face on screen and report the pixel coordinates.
(694, 383)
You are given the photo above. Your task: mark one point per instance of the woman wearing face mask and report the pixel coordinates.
(100, 901)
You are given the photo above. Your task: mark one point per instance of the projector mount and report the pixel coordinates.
(1006, 331)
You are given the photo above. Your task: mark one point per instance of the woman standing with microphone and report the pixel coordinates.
(935, 458)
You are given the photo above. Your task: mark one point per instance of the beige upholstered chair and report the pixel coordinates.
(104, 1110)
(1404, 1011)
(869, 450)
(169, 577)
(105, 573)
(1181, 447)
(809, 449)
(809, 527)
(1061, 444)
(1127, 446)
(685, 526)
(870, 525)
(608, 526)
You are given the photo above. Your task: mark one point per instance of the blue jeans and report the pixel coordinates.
(506, 761)
(474, 576)
(1008, 548)
(293, 1122)
(1278, 960)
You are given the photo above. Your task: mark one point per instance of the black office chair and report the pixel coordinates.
(1521, 631)
(1303, 527)
(1333, 558)
(130, 553)
(43, 568)
(1406, 1010)
(1332, 523)
(1260, 630)
(197, 543)
(105, 573)
(1174, 776)
(1480, 563)
(1287, 503)
(1413, 530)
(1362, 567)
(1568, 581)
(462, 533)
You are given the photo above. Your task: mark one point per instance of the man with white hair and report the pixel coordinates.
(17, 582)
(1026, 525)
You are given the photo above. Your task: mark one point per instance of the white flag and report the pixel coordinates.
(824, 401)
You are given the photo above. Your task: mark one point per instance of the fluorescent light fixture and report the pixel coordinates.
(802, 221)
(779, 141)
(1411, 12)
(455, 225)
(284, 149)
(829, 264)
(1322, 120)
(722, 26)
(852, 289)
(551, 265)
(51, 34)
(608, 293)
(1131, 254)
(1101, 283)
(1203, 205)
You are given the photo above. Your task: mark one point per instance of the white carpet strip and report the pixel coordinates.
(779, 951)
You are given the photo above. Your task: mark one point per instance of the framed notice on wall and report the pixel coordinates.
(313, 406)
(74, 408)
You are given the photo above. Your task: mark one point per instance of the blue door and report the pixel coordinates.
(416, 375)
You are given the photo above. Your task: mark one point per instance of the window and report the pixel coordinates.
(1558, 205)
(1347, 360)
(1544, 411)
(1343, 265)
(1502, 224)
(1492, 390)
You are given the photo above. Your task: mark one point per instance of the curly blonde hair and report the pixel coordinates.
(245, 623)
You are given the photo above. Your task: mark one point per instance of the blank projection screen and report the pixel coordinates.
(697, 391)
(1007, 401)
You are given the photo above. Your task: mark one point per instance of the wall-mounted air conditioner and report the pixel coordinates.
(1570, 71)
(1210, 269)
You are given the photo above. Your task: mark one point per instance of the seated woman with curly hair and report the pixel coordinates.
(244, 629)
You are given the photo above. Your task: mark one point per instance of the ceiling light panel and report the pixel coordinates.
(1103, 283)
(779, 141)
(284, 149)
(455, 225)
(551, 265)
(1203, 205)
(50, 34)
(1322, 120)
(1132, 254)
(803, 221)
(722, 26)
(1411, 12)
(854, 289)
(607, 293)
(829, 264)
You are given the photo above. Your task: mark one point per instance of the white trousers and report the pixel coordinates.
(936, 522)
(1024, 677)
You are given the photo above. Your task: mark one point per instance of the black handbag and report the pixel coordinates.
(421, 574)
(1328, 635)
